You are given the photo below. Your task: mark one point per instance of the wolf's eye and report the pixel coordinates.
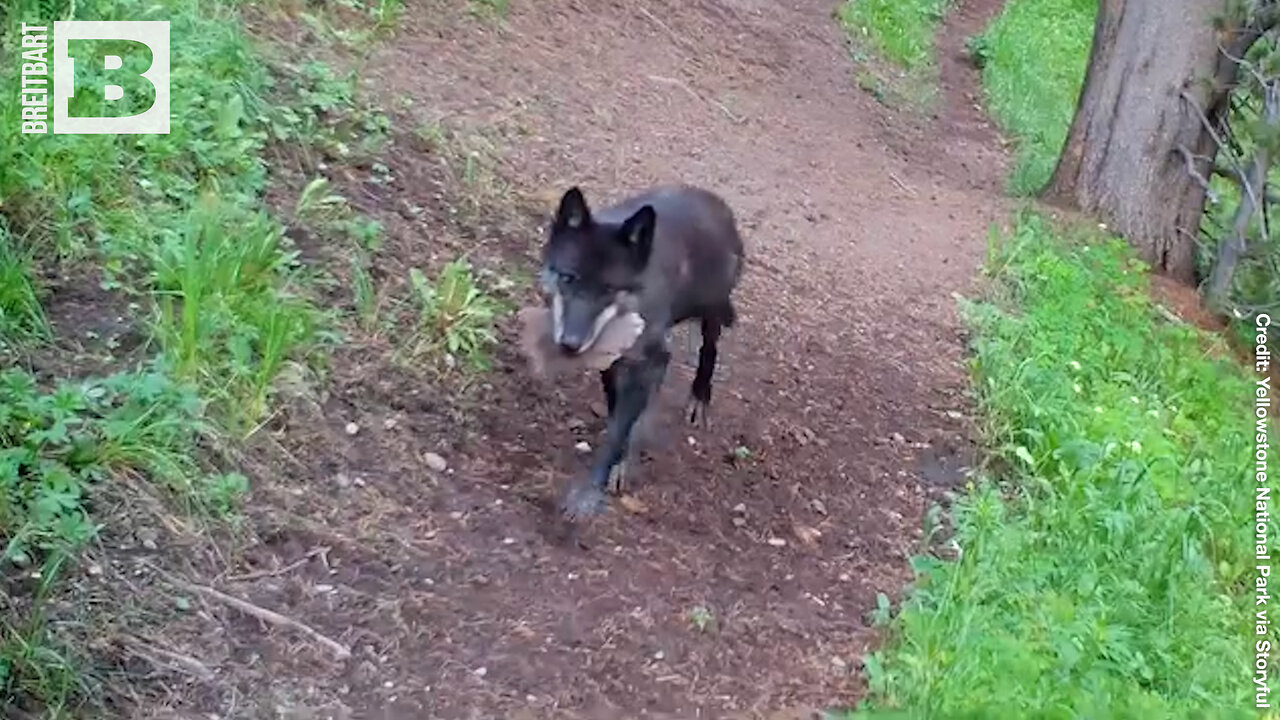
(568, 278)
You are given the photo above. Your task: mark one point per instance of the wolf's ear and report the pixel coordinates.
(637, 233)
(573, 212)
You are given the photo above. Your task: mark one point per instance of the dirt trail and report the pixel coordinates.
(843, 379)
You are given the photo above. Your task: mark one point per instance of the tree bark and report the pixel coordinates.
(1152, 83)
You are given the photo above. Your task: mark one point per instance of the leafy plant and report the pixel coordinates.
(455, 318)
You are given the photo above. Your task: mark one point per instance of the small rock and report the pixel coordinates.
(389, 423)
(95, 569)
(818, 506)
(659, 655)
(576, 424)
(342, 480)
(844, 577)
(839, 663)
(583, 447)
(897, 438)
(508, 541)
(324, 588)
(777, 542)
(806, 535)
(352, 428)
(739, 521)
(740, 508)
(148, 538)
(435, 462)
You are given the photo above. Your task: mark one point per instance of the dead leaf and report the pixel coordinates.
(633, 504)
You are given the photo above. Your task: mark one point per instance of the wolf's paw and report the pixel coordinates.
(699, 413)
(618, 478)
(582, 501)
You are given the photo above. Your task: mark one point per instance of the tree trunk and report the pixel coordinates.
(1124, 158)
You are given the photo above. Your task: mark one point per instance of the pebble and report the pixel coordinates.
(352, 428)
(435, 462)
(777, 542)
(583, 447)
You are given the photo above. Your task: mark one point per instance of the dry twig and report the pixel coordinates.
(268, 616)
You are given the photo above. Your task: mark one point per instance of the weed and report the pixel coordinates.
(21, 316)
(330, 214)
(1111, 575)
(1033, 58)
(454, 319)
(701, 618)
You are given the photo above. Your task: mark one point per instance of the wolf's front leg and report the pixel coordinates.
(637, 382)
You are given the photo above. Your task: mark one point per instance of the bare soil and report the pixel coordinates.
(727, 584)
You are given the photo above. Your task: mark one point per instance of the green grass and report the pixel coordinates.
(22, 318)
(1033, 58)
(901, 33)
(1109, 573)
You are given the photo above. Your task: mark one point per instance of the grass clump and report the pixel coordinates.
(22, 317)
(1033, 58)
(454, 318)
(1112, 575)
(901, 33)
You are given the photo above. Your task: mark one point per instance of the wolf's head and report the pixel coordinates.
(590, 268)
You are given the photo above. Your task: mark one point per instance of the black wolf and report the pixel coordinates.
(673, 254)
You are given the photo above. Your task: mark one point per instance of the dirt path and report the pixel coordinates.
(843, 380)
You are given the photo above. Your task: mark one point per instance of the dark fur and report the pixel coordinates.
(676, 254)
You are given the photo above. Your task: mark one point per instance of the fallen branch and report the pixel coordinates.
(153, 654)
(268, 616)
